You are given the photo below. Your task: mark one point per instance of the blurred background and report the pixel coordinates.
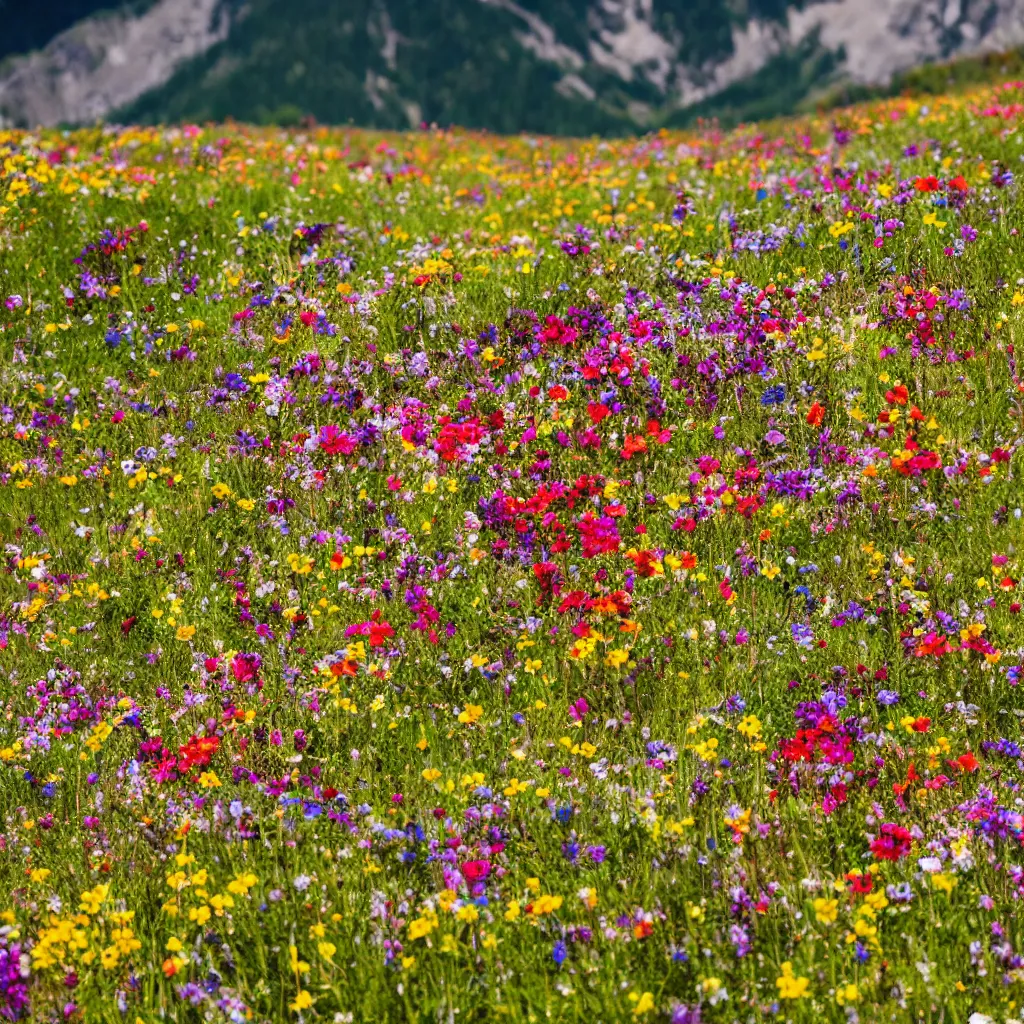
(553, 66)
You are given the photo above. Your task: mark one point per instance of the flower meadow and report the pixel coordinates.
(459, 578)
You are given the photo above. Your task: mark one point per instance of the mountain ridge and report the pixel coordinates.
(554, 66)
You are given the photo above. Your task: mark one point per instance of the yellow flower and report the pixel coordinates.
(422, 926)
(790, 987)
(185, 632)
(200, 914)
(300, 564)
(242, 883)
(826, 911)
(613, 659)
(92, 898)
(221, 491)
(303, 1001)
(644, 1003)
(705, 750)
(848, 993)
(515, 787)
(749, 727)
(430, 774)
(546, 904)
(471, 714)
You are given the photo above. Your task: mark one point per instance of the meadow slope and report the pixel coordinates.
(450, 577)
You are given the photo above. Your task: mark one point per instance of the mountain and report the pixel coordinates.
(558, 66)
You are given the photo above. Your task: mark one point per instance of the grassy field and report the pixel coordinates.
(459, 578)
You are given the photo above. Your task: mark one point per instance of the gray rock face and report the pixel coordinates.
(106, 62)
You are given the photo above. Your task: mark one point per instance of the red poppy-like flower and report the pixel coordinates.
(476, 870)
(860, 882)
(634, 444)
(893, 842)
(928, 184)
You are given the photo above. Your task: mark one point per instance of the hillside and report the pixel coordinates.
(555, 66)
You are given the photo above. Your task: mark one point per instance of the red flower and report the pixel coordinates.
(476, 870)
(633, 445)
(816, 414)
(928, 184)
(548, 576)
(334, 442)
(860, 883)
(892, 843)
(379, 632)
(245, 667)
(197, 752)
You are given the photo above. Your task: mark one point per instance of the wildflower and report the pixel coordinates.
(826, 910)
(302, 1001)
(790, 986)
(847, 993)
(643, 1003)
(892, 843)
